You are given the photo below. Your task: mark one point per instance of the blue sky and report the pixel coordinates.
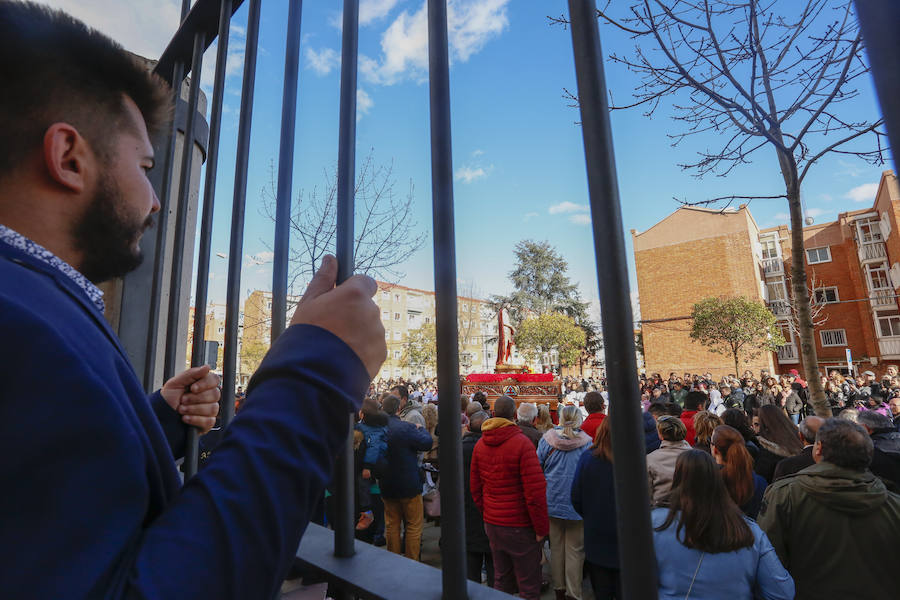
(517, 151)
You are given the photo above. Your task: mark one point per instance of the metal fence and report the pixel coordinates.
(361, 569)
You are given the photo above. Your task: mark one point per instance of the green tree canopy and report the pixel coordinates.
(737, 327)
(420, 348)
(551, 331)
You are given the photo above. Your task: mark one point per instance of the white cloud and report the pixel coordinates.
(234, 62)
(141, 27)
(369, 12)
(529, 215)
(478, 153)
(580, 219)
(568, 207)
(816, 212)
(863, 193)
(373, 10)
(469, 174)
(404, 44)
(258, 259)
(323, 61)
(364, 103)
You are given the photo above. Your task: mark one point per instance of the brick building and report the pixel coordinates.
(853, 270)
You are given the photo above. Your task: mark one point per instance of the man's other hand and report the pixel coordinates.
(194, 394)
(347, 311)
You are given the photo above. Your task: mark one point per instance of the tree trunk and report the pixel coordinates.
(799, 290)
(736, 367)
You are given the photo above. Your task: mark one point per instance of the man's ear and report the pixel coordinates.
(817, 451)
(67, 157)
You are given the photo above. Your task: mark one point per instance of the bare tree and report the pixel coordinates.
(767, 74)
(386, 231)
(817, 304)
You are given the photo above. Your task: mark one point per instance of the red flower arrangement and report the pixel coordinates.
(520, 377)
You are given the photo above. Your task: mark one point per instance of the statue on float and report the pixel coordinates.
(505, 344)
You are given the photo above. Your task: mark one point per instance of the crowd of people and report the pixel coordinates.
(751, 494)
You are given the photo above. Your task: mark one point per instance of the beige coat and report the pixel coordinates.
(661, 469)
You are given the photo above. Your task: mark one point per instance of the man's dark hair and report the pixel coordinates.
(56, 69)
(390, 404)
(505, 408)
(594, 403)
(657, 409)
(694, 401)
(476, 420)
(401, 391)
(845, 444)
(877, 422)
(673, 409)
(481, 399)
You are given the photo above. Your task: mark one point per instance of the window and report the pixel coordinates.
(396, 297)
(396, 316)
(427, 320)
(221, 330)
(833, 337)
(397, 335)
(888, 325)
(775, 291)
(818, 255)
(385, 295)
(826, 295)
(397, 354)
(385, 315)
(769, 248)
(413, 319)
(878, 277)
(869, 231)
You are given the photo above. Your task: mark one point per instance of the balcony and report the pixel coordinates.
(773, 267)
(889, 347)
(787, 354)
(780, 308)
(882, 298)
(872, 251)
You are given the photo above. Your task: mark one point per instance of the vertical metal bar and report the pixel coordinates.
(206, 220)
(878, 23)
(453, 526)
(236, 246)
(346, 178)
(185, 9)
(635, 534)
(162, 225)
(285, 170)
(184, 192)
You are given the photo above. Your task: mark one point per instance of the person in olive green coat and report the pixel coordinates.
(833, 524)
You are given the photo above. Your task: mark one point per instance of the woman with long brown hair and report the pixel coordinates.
(594, 498)
(705, 548)
(705, 423)
(744, 486)
(778, 438)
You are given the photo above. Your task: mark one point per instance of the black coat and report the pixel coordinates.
(594, 498)
(476, 538)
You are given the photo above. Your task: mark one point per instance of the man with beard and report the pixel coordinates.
(92, 503)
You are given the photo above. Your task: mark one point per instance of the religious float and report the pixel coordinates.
(514, 381)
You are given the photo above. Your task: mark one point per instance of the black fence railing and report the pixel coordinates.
(336, 553)
(361, 570)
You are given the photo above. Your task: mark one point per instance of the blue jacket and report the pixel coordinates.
(732, 575)
(651, 437)
(404, 440)
(376, 445)
(559, 457)
(92, 503)
(594, 498)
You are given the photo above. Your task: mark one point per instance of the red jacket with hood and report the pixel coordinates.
(507, 481)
